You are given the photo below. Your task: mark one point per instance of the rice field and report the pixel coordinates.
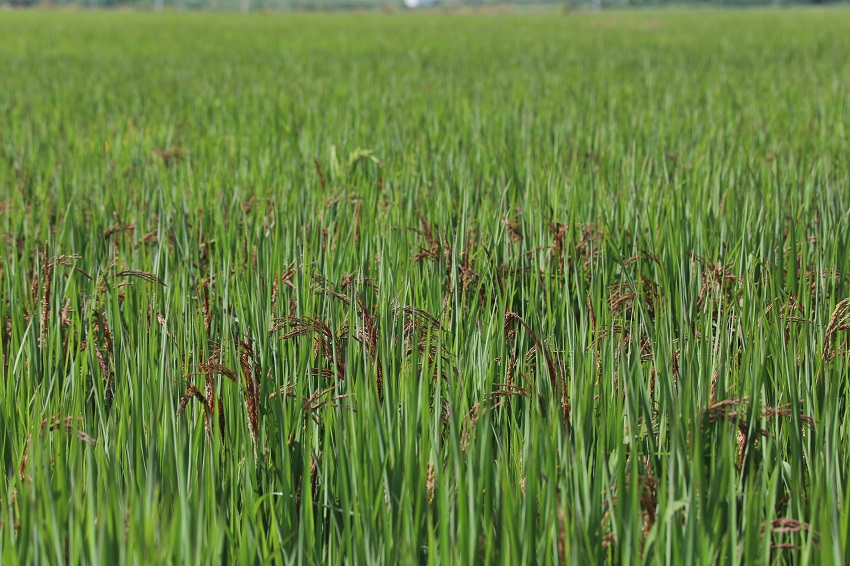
(555, 289)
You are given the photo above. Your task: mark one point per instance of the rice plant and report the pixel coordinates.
(425, 288)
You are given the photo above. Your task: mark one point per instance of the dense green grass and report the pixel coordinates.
(627, 235)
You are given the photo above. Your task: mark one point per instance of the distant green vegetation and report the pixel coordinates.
(425, 289)
(434, 5)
